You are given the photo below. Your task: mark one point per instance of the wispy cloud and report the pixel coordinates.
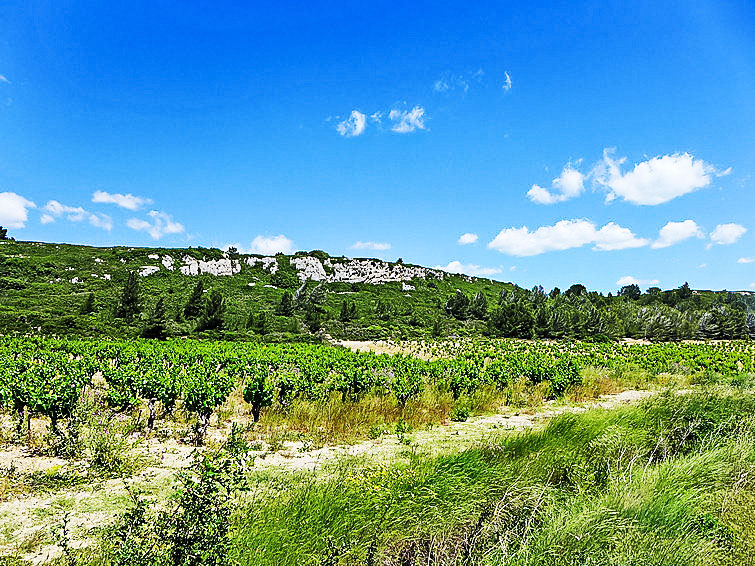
(352, 126)
(507, 82)
(468, 269)
(746, 260)
(101, 221)
(127, 201)
(675, 232)
(406, 121)
(467, 238)
(161, 224)
(4, 79)
(564, 235)
(450, 81)
(629, 280)
(569, 184)
(726, 234)
(14, 210)
(377, 246)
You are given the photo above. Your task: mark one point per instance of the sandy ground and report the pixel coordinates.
(26, 522)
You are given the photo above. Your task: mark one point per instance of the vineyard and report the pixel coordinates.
(46, 377)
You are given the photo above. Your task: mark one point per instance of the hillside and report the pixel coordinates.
(67, 289)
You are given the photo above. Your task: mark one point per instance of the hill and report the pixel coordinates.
(68, 289)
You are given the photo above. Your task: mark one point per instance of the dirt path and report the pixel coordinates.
(26, 522)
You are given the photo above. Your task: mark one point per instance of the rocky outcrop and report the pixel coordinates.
(217, 267)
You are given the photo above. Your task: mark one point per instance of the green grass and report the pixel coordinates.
(669, 481)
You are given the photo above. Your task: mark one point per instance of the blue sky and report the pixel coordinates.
(596, 142)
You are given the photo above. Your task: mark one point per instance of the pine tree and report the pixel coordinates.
(3, 233)
(478, 308)
(212, 313)
(258, 323)
(286, 306)
(194, 305)
(128, 307)
(88, 305)
(157, 326)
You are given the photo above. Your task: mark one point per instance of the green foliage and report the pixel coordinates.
(259, 391)
(157, 325)
(128, 306)
(193, 307)
(3, 233)
(212, 312)
(458, 305)
(87, 306)
(286, 305)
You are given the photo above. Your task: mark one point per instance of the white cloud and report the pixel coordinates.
(726, 234)
(449, 81)
(377, 246)
(507, 82)
(377, 117)
(407, 120)
(468, 269)
(101, 221)
(746, 260)
(352, 126)
(675, 232)
(702, 266)
(127, 201)
(563, 235)
(467, 238)
(55, 209)
(14, 210)
(568, 185)
(162, 224)
(271, 245)
(629, 280)
(3, 79)
(47, 219)
(654, 181)
(441, 85)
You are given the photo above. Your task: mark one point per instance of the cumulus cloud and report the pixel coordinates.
(746, 260)
(406, 121)
(14, 210)
(127, 201)
(468, 269)
(507, 82)
(569, 184)
(564, 235)
(55, 209)
(352, 126)
(467, 238)
(101, 221)
(271, 245)
(377, 246)
(725, 234)
(629, 280)
(675, 232)
(654, 181)
(160, 225)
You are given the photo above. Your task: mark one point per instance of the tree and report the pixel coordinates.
(157, 326)
(383, 310)
(88, 305)
(478, 308)
(193, 306)
(458, 305)
(128, 307)
(3, 233)
(576, 290)
(258, 323)
(286, 305)
(212, 313)
(348, 311)
(631, 292)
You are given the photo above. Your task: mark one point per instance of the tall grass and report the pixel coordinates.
(668, 481)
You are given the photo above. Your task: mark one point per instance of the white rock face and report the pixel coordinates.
(308, 267)
(168, 262)
(75, 280)
(268, 263)
(153, 256)
(106, 277)
(217, 267)
(97, 260)
(147, 270)
(407, 287)
(376, 271)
